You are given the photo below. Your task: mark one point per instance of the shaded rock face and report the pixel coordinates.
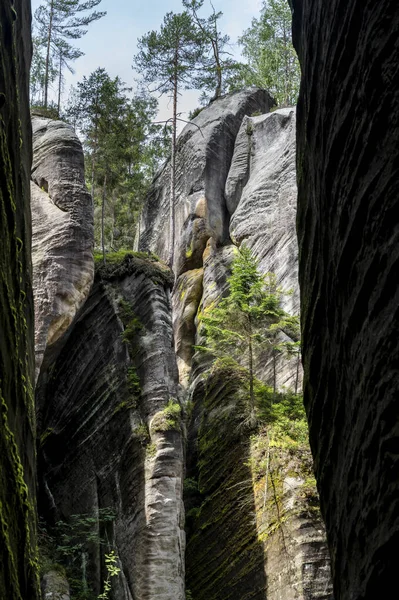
(55, 587)
(18, 555)
(253, 522)
(348, 177)
(107, 442)
(63, 235)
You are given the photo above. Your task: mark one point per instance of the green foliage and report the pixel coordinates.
(167, 58)
(271, 59)
(113, 570)
(62, 547)
(151, 450)
(168, 418)
(123, 150)
(194, 113)
(190, 486)
(114, 258)
(132, 325)
(133, 263)
(247, 322)
(288, 423)
(58, 21)
(215, 61)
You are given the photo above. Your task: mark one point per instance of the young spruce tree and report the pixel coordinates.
(167, 59)
(247, 320)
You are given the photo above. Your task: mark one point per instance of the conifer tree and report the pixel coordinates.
(216, 60)
(122, 148)
(167, 60)
(59, 21)
(248, 319)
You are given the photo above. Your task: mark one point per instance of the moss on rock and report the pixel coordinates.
(19, 578)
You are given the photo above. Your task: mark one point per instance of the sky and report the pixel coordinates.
(111, 42)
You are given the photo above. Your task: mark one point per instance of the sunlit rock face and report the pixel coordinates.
(261, 196)
(107, 442)
(348, 179)
(63, 235)
(18, 566)
(204, 151)
(236, 547)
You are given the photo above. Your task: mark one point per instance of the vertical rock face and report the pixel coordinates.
(243, 542)
(261, 196)
(62, 222)
(204, 152)
(111, 436)
(348, 174)
(18, 556)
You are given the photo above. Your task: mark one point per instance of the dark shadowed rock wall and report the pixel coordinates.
(18, 558)
(106, 439)
(348, 177)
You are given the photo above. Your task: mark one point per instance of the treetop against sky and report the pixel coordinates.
(112, 41)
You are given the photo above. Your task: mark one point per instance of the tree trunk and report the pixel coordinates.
(103, 216)
(60, 85)
(274, 369)
(251, 366)
(173, 169)
(46, 76)
(93, 164)
(297, 371)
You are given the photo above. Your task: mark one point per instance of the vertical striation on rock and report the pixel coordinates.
(204, 151)
(348, 179)
(63, 235)
(243, 191)
(18, 555)
(111, 430)
(261, 196)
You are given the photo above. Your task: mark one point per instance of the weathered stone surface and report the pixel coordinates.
(261, 196)
(253, 523)
(348, 178)
(186, 300)
(55, 586)
(18, 569)
(63, 235)
(205, 149)
(106, 445)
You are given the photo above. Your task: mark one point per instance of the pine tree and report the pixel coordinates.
(59, 21)
(122, 149)
(168, 59)
(216, 61)
(248, 320)
(272, 61)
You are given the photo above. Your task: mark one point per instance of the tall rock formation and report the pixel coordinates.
(63, 235)
(242, 541)
(18, 555)
(123, 423)
(348, 177)
(111, 437)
